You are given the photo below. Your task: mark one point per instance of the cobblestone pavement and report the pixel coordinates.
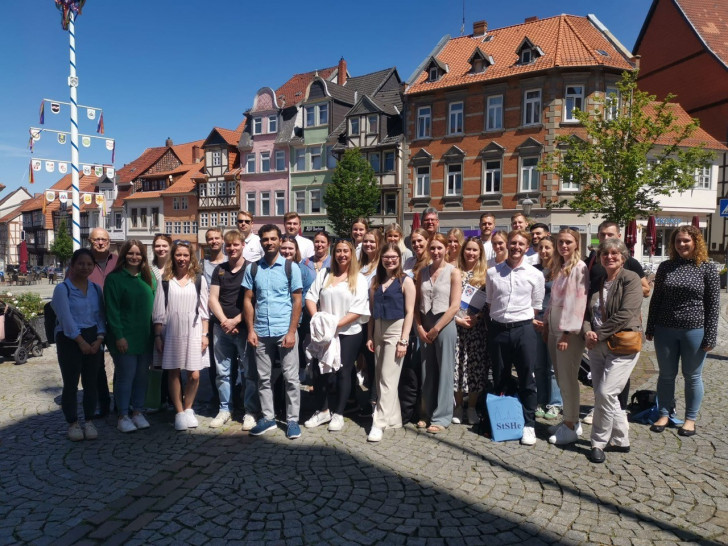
(219, 486)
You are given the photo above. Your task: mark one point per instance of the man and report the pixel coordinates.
(229, 334)
(519, 222)
(430, 220)
(213, 238)
(272, 326)
(253, 251)
(513, 290)
(487, 226)
(292, 223)
(538, 232)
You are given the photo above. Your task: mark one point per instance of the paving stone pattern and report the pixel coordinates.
(223, 486)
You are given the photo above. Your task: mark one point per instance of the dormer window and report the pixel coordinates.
(527, 52)
(257, 126)
(354, 126)
(479, 61)
(526, 56)
(435, 69)
(434, 74)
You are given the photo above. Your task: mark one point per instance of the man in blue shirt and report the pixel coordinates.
(272, 307)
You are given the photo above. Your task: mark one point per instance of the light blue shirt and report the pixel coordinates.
(273, 301)
(76, 311)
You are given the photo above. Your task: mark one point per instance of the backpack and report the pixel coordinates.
(288, 267)
(643, 400)
(198, 287)
(50, 320)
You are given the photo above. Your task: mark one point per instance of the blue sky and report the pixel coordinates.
(177, 68)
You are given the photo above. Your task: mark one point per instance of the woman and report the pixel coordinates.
(79, 333)
(683, 321)
(181, 335)
(615, 307)
(160, 247)
(439, 291)
(472, 361)
(419, 241)
(358, 230)
(499, 240)
(455, 240)
(129, 296)
(321, 257)
(290, 251)
(341, 292)
(369, 260)
(393, 234)
(392, 304)
(563, 322)
(547, 388)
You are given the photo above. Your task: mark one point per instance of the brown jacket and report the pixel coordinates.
(623, 306)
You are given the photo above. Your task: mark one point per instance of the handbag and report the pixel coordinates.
(506, 417)
(626, 342)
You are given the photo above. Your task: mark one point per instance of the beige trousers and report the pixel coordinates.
(387, 369)
(566, 366)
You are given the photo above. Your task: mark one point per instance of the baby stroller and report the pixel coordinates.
(21, 337)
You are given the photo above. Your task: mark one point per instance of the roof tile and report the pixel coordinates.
(294, 90)
(709, 18)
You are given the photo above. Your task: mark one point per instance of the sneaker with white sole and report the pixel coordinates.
(318, 418)
(264, 425)
(125, 425)
(249, 422)
(140, 422)
(192, 421)
(337, 422)
(529, 436)
(293, 431)
(180, 421)
(552, 412)
(589, 417)
(75, 434)
(563, 436)
(220, 419)
(375, 435)
(89, 431)
(457, 415)
(553, 428)
(540, 412)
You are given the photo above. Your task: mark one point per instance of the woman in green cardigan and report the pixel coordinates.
(129, 295)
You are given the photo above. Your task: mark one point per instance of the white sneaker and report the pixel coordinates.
(89, 431)
(192, 421)
(318, 418)
(249, 422)
(473, 418)
(337, 422)
(553, 428)
(180, 421)
(220, 419)
(126, 425)
(75, 434)
(563, 436)
(529, 436)
(589, 417)
(375, 435)
(457, 415)
(140, 422)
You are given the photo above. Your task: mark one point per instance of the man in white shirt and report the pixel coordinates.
(538, 232)
(292, 224)
(513, 290)
(253, 251)
(487, 225)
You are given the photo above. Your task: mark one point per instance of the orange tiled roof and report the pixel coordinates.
(709, 18)
(132, 170)
(184, 151)
(241, 127)
(120, 196)
(144, 195)
(699, 138)
(11, 216)
(294, 90)
(566, 41)
(185, 183)
(230, 136)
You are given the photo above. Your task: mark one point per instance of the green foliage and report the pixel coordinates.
(631, 156)
(353, 192)
(29, 304)
(62, 247)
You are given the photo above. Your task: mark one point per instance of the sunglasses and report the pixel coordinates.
(182, 242)
(245, 221)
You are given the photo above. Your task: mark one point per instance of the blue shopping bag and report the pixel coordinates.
(506, 417)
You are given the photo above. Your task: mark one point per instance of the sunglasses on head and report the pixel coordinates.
(182, 242)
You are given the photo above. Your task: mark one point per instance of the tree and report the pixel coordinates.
(632, 155)
(353, 192)
(62, 247)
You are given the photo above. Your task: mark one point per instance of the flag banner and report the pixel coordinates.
(99, 199)
(113, 152)
(30, 144)
(87, 199)
(87, 170)
(55, 108)
(86, 142)
(31, 176)
(36, 164)
(110, 172)
(50, 196)
(98, 170)
(63, 168)
(63, 197)
(35, 134)
(61, 138)
(109, 144)
(100, 126)
(91, 113)
(50, 166)
(42, 112)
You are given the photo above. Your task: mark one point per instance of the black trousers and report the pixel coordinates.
(75, 364)
(409, 382)
(515, 347)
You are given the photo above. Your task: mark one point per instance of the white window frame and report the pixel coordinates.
(354, 126)
(265, 162)
(168, 227)
(175, 203)
(299, 201)
(213, 219)
(492, 176)
(433, 74)
(529, 171)
(216, 158)
(300, 159)
(273, 123)
(250, 163)
(453, 179)
(323, 113)
(310, 115)
(211, 189)
(389, 157)
(178, 228)
(568, 184)
(257, 126)
(494, 113)
(372, 124)
(532, 107)
(202, 189)
(184, 203)
(250, 202)
(573, 98)
(387, 196)
(204, 218)
(265, 203)
(232, 188)
(424, 122)
(221, 188)
(703, 178)
(280, 202)
(611, 104)
(373, 158)
(280, 160)
(314, 153)
(187, 228)
(422, 181)
(526, 56)
(315, 197)
(456, 118)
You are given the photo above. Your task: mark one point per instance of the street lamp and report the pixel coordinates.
(527, 205)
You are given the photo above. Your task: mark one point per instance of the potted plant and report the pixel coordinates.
(30, 305)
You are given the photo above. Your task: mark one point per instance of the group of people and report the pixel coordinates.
(415, 334)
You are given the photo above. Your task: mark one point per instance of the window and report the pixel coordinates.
(317, 114)
(250, 202)
(310, 116)
(574, 99)
(433, 74)
(354, 126)
(194, 227)
(702, 178)
(134, 217)
(388, 161)
(168, 227)
(221, 188)
(494, 113)
(272, 124)
(323, 114)
(178, 228)
(455, 118)
(526, 55)
(250, 163)
(422, 186)
(529, 174)
(374, 161)
(212, 189)
(611, 103)
(280, 203)
(315, 158)
(532, 107)
(155, 217)
(143, 217)
(213, 219)
(184, 203)
(175, 203)
(265, 162)
(257, 126)
(454, 180)
(203, 219)
(300, 202)
(300, 159)
(265, 203)
(492, 177)
(117, 220)
(424, 122)
(216, 158)
(373, 122)
(478, 66)
(315, 201)
(202, 189)
(223, 218)
(330, 158)
(390, 204)
(232, 188)
(280, 160)
(187, 227)
(568, 184)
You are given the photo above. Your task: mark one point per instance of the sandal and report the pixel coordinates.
(434, 429)
(421, 424)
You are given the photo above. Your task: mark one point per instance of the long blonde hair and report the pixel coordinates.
(170, 268)
(566, 267)
(421, 261)
(370, 264)
(481, 266)
(353, 266)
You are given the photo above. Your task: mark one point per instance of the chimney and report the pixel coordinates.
(168, 143)
(196, 154)
(531, 19)
(479, 28)
(341, 75)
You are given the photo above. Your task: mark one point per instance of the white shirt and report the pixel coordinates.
(305, 246)
(339, 301)
(488, 247)
(253, 251)
(513, 294)
(532, 256)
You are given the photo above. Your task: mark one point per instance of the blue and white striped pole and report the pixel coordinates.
(73, 84)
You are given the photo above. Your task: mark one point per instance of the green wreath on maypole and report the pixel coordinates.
(68, 6)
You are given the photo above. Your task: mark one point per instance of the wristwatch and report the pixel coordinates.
(404, 342)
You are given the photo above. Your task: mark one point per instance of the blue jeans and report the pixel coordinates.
(547, 388)
(671, 346)
(227, 348)
(130, 385)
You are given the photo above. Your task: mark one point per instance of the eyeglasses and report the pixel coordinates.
(100, 240)
(245, 221)
(182, 242)
(390, 258)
